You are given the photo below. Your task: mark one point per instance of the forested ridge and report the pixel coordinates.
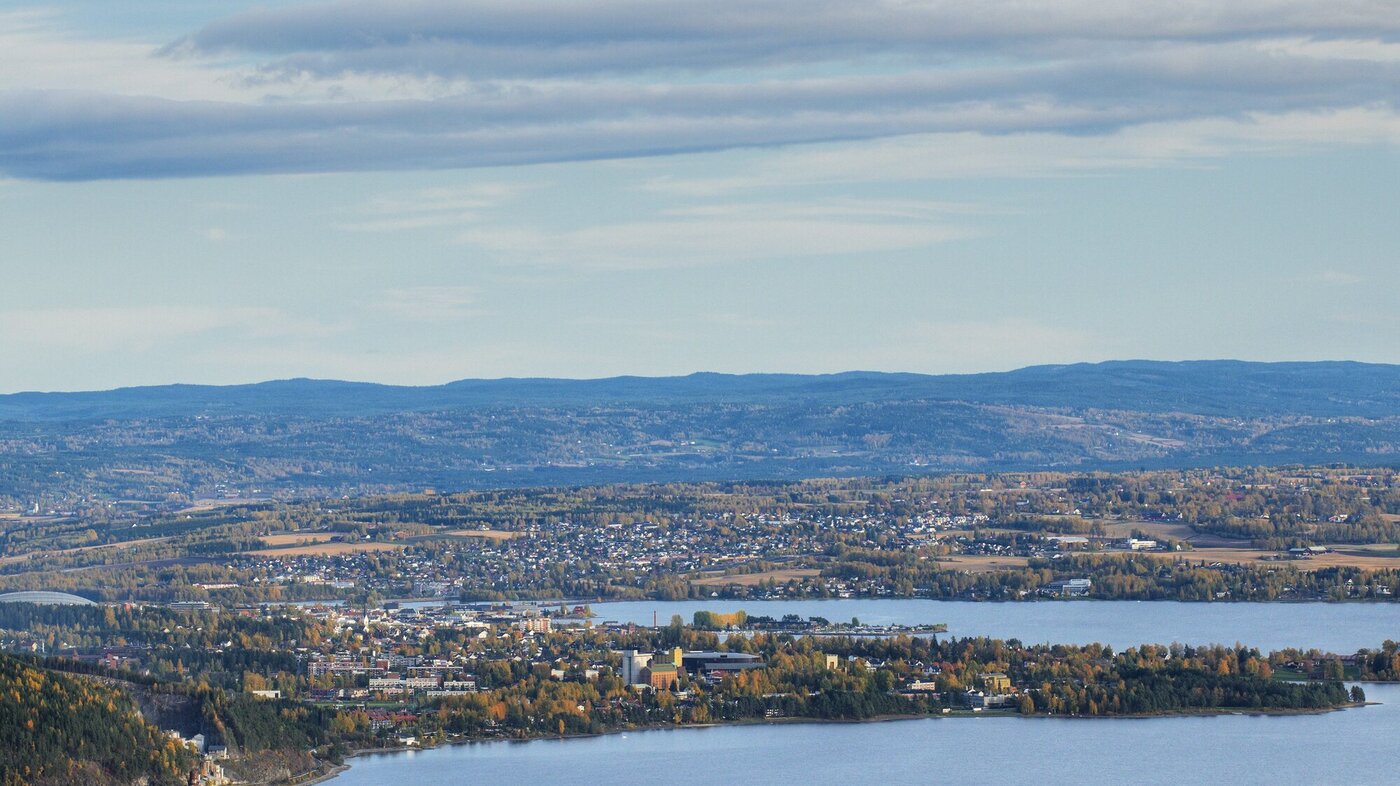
(306, 437)
(60, 729)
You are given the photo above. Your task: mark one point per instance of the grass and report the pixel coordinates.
(1349, 674)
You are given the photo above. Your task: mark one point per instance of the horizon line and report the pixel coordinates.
(662, 377)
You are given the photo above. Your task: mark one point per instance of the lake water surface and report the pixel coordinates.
(1352, 746)
(1339, 627)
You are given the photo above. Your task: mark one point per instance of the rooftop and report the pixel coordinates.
(49, 598)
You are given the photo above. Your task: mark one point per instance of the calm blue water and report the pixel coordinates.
(1339, 627)
(1352, 746)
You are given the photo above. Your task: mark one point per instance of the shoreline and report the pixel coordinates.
(811, 599)
(335, 770)
(891, 718)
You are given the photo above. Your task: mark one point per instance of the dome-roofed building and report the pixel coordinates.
(47, 598)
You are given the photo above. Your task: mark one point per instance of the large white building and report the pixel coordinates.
(633, 662)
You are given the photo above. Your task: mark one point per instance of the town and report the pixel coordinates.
(1287, 534)
(319, 681)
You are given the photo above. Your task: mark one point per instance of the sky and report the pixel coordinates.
(417, 191)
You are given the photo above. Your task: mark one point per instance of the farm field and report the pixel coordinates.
(204, 505)
(489, 534)
(1355, 558)
(1175, 530)
(982, 564)
(327, 549)
(295, 538)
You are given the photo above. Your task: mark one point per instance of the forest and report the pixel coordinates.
(57, 728)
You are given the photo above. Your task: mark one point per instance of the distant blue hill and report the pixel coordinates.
(1207, 387)
(305, 437)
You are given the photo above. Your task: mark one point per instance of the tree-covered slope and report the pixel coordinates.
(59, 729)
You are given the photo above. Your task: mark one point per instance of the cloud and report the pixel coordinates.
(542, 37)
(845, 208)
(728, 234)
(920, 157)
(144, 328)
(41, 54)
(433, 304)
(377, 85)
(432, 207)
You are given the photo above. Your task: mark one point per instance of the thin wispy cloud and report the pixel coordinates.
(729, 235)
(431, 208)
(432, 304)
(943, 156)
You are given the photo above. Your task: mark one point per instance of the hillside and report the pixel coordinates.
(1222, 387)
(299, 437)
(60, 729)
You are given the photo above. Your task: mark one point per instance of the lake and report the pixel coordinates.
(1355, 745)
(1339, 627)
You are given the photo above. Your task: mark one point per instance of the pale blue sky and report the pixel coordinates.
(419, 192)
